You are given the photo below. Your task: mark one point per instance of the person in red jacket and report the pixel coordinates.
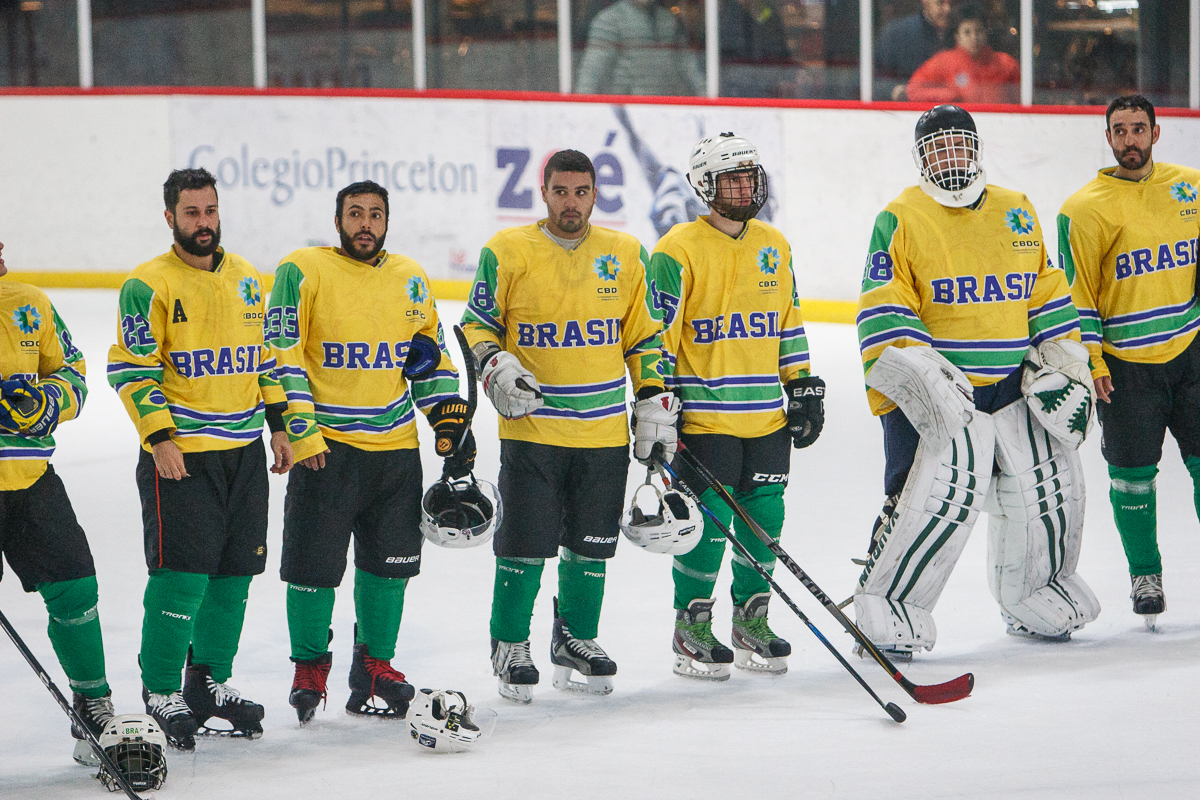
(970, 73)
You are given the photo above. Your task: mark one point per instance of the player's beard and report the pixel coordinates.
(572, 225)
(357, 252)
(189, 245)
(1133, 158)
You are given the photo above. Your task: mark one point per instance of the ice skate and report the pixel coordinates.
(95, 712)
(173, 715)
(698, 654)
(897, 655)
(756, 648)
(308, 685)
(513, 665)
(207, 698)
(1017, 629)
(375, 679)
(1148, 598)
(584, 656)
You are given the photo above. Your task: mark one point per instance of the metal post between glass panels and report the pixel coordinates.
(1026, 52)
(866, 51)
(83, 20)
(258, 41)
(1194, 55)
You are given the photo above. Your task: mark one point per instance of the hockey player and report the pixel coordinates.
(41, 385)
(1127, 241)
(733, 334)
(557, 314)
(956, 295)
(357, 336)
(197, 381)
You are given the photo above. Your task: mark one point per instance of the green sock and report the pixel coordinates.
(1134, 510)
(309, 613)
(74, 632)
(219, 624)
(765, 506)
(516, 587)
(172, 600)
(378, 606)
(695, 573)
(1193, 467)
(580, 592)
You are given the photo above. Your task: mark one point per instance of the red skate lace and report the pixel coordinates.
(378, 668)
(312, 677)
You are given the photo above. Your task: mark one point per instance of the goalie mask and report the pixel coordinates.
(947, 153)
(727, 174)
(135, 744)
(674, 528)
(443, 721)
(460, 513)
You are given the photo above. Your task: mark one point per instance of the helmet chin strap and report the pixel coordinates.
(956, 199)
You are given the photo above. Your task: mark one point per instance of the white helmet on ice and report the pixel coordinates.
(461, 513)
(947, 152)
(443, 721)
(674, 528)
(727, 153)
(136, 745)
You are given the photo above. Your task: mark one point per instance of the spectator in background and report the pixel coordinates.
(638, 47)
(755, 58)
(970, 73)
(906, 44)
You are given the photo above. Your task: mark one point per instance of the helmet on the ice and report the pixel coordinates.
(136, 745)
(442, 721)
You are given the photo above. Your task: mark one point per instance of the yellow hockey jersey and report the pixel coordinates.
(973, 283)
(1129, 250)
(575, 319)
(37, 346)
(340, 330)
(732, 326)
(190, 357)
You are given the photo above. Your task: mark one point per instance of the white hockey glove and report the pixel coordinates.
(654, 421)
(512, 389)
(1058, 386)
(934, 394)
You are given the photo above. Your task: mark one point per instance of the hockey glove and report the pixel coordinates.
(450, 425)
(423, 357)
(28, 409)
(805, 409)
(461, 462)
(654, 421)
(512, 389)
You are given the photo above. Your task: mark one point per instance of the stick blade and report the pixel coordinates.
(947, 692)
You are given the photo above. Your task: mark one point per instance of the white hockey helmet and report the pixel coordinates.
(674, 528)
(137, 747)
(461, 513)
(728, 153)
(947, 152)
(442, 721)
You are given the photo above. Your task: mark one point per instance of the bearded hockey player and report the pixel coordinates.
(957, 295)
(737, 357)
(557, 314)
(360, 350)
(191, 368)
(1128, 244)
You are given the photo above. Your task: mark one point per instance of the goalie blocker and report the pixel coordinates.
(1003, 461)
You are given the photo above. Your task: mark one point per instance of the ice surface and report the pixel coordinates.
(1107, 715)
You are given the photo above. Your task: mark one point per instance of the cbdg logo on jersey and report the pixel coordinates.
(965, 289)
(222, 361)
(756, 325)
(1183, 192)
(1019, 221)
(607, 268)
(592, 333)
(248, 289)
(1146, 260)
(768, 260)
(27, 319)
(363, 355)
(417, 290)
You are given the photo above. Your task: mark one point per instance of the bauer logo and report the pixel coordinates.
(248, 289)
(417, 290)
(27, 319)
(607, 267)
(403, 560)
(1019, 221)
(768, 260)
(1183, 192)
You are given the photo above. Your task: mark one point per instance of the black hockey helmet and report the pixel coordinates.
(947, 153)
(942, 118)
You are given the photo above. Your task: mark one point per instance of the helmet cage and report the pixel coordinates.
(949, 158)
(134, 744)
(728, 197)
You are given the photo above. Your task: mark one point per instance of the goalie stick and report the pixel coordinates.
(947, 692)
(105, 762)
(894, 711)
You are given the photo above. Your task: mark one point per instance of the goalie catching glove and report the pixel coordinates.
(1057, 384)
(512, 389)
(805, 409)
(454, 441)
(27, 408)
(654, 419)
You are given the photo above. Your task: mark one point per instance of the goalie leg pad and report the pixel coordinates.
(921, 542)
(1035, 529)
(933, 393)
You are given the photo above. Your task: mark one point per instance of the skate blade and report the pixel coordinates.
(754, 663)
(895, 656)
(686, 667)
(229, 733)
(1151, 621)
(595, 684)
(516, 692)
(1025, 633)
(84, 754)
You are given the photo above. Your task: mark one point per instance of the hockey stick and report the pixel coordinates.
(946, 692)
(469, 364)
(105, 761)
(894, 711)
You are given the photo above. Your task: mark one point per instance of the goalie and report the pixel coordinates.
(973, 361)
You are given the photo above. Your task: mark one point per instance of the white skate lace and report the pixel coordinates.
(223, 694)
(168, 705)
(1146, 586)
(587, 649)
(517, 655)
(99, 708)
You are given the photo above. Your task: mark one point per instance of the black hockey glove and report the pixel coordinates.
(454, 441)
(805, 409)
(462, 461)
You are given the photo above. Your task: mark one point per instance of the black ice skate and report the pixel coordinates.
(1148, 598)
(580, 655)
(308, 685)
(756, 648)
(372, 679)
(172, 714)
(95, 713)
(513, 665)
(698, 654)
(208, 699)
